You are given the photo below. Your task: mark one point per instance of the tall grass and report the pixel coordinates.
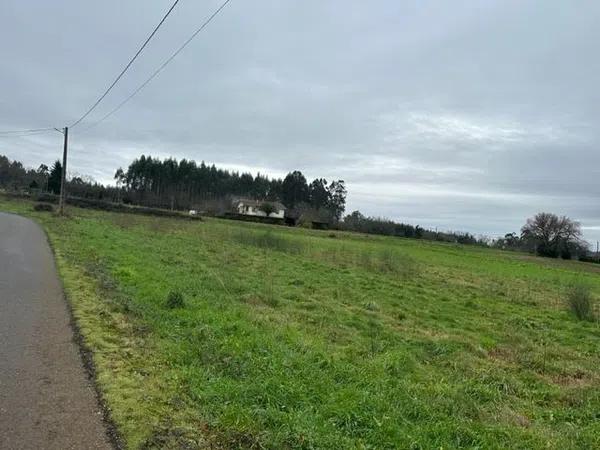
(268, 240)
(379, 260)
(580, 302)
(269, 289)
(385, 260)
(391, 261)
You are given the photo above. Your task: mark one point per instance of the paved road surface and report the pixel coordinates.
(46, 399)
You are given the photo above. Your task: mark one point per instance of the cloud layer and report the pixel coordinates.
(458, 115)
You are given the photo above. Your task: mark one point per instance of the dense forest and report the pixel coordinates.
(185, 184)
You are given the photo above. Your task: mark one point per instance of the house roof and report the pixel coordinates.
(257, 203)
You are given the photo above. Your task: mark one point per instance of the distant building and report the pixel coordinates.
(259, 208)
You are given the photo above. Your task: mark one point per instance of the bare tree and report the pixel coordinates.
(550, 234)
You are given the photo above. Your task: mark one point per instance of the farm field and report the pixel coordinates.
(223, 334)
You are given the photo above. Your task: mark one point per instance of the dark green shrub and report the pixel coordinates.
(175, 300)
(46, 207)
(580, 302)
(268, 208)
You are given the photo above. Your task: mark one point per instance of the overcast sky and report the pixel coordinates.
(467, 116)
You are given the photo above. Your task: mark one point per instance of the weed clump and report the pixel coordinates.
(269, 292)
(175, 300)
(371, 306)
(386, 260)
(470, 304)
(45, 207)
(580, 302)
(270, 241)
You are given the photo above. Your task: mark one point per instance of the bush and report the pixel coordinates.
(47, 207)
(581, 302)
(268, 208)
(175, 300)
(102, 205)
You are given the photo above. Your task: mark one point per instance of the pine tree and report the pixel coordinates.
(55, 178)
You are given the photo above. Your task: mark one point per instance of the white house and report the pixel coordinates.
(259, 208)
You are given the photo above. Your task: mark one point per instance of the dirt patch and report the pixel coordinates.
(501, 354)
(576, 379)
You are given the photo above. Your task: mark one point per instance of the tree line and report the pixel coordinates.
(545, 234)
(169, 183)
(13, 175)
(184, 184)
(356, 221)
(548, 235)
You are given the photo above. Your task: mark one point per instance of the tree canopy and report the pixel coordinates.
(13, 175)
(54, 179)
(179, 184)
(552, 235)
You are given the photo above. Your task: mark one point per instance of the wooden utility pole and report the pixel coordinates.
(63, 187)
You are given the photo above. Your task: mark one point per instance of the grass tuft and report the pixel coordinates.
(371, 306)
(175, 300)
(580, 302)
(43, 207)
(268, 240)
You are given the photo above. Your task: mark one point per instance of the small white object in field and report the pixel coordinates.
(193, 212)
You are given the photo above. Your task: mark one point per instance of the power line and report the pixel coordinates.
(4, 137)
(31, 130)
(127, 66)
(12, 136)
(37, 130)
(143, 85)
(22, 135)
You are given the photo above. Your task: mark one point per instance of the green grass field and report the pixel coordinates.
(291, 338)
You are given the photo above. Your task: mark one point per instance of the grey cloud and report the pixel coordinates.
(462, 115)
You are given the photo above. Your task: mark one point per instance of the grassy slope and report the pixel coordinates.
(295, 339)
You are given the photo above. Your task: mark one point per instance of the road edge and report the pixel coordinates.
(87, 357)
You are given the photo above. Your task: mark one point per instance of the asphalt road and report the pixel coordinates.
(46, 398)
